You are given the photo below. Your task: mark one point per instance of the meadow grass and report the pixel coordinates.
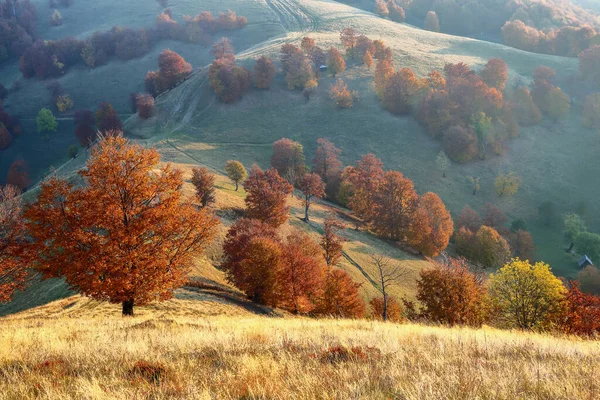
(178, 351)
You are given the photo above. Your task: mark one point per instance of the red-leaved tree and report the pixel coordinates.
(267, 195)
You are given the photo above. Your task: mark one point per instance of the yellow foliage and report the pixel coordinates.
(64, 103)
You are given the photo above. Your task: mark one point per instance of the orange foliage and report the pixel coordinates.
(383, 70)
(312, 186)
(394, 204)
(331, 242)
(326, 161)
(288, 159)
(172, 68)
(18, 175)
(145, 105)
(204, 183)
(229, 81)
(13, 237)
(264, 72)
(460, 144)
(364, 178)
(267, 195)
(301, 274)
(335, 61)
(431, 226)
(400, 90)
(223, 48)
(495, 73)
(394, 309)
(451, 294)
(340, 297)
(126, 236)
(521, 244)
(340, 94)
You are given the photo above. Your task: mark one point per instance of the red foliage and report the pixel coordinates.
(85, 134)
(365, 178)
(107, 118)
(267, 195)
(469, 219)
(204, 183)
(5, 137)
(494, 217)
(431, 226)
(460, 144)
(264, 72)
(288, 51)
(583, 312)
(145, 105)
(394, 205)
(394, 310)
(172, 69)
(495, 73)
(288, 159)
(223, 48)
(229, 81)
(399, 91)
(326, 162)
(302, 273)
(18, 175)
(13, 271)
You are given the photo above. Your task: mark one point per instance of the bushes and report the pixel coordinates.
(228, 81)
(460, 144)
(264, 72)
(145, 105)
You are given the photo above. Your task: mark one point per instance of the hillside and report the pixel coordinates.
(76, 349)
(556, 161)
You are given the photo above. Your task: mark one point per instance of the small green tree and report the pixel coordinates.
(483, 128)
(527, 296)
(46, 123)
(236, 172)
(474, 180)
(443, 162)
(574, 226)
(588, 243)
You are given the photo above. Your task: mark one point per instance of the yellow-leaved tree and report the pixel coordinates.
(527, 296)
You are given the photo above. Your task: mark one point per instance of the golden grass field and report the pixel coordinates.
(78, 349)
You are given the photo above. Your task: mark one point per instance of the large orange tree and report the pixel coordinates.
(125, 235)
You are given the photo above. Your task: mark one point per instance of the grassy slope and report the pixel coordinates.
(74, 349)
(556, 161)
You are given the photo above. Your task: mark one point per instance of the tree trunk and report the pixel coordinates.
(384, 314)
(306, 212)
(128, 308)
(474, 192)
(444, 174)
(570, 247)
(236, 186)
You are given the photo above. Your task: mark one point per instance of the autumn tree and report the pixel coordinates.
(507, 183)
(365, 178)
(348, 37)
(125, 236)
(400, 90)
(383, 71)
(490, 249)
(460, 144)
(245, 240)
(495, 73)
(525, 110)
(589, 59)
(13, 238)
(331, 241)
(556, 104)
(393, 309)
(145, 105)
(431, 226)
(18, 175)
(382, 8)
(264, 72)
(300, 73)
(5, 137)
(527, 296)
(583, 312)
(288, 51)
(107, 119)
(307, 44)
(522, 245)
(302, 273)
(389, 273)
(46, 123)
(236, 172)
(335, 61)
(340, 94)
(312, 187)
(494, 217)
(288, 159)
(517, 34)
(172, 68)
(482, 124)
(340, 296)
(223, 48)
(451, 294)
(589, 279)
(266, 198)
(326, 162)
(204, 184)
(431, 22)
(469, 219)
(394, 204)
(229, 81)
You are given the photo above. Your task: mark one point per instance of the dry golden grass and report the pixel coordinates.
(163, 353)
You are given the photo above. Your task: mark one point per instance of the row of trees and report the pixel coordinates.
(519, 295)
(17, 28)
(385, 201)
(52, 58)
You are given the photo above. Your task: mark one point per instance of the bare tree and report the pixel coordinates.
(389, 273)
